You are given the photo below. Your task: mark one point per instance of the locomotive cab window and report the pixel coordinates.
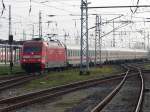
(31, 49)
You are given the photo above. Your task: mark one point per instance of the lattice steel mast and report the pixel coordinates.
(98, 40)
(84, 60)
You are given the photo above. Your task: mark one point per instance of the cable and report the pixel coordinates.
(137, 5)
(60, 2)
(30, 8)
(51, 6)
(3, 8)
(133, 12)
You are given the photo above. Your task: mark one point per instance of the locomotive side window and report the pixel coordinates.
(31, 49)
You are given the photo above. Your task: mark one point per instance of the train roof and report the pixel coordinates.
(50, 43)
(109, 49)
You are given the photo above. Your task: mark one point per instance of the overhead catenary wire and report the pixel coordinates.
(105, 22)
(30, 8)
(123, 6)
(115, 29)
(133, 12)
(37, 1)
(50, 6)
(137, 5)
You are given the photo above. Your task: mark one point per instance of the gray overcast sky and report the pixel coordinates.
(63, 22)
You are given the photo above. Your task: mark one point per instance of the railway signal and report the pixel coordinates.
(10, 39)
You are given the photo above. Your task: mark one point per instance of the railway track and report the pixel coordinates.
(14, 81)
(12, 76)
(146, 100)
(30, 98)
(108, 104)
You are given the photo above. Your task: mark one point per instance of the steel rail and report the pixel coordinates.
(12, 80)
(15, 81)
(107, 99)
(139, 104)
(11, 76)
(104, 102)
(141, 93)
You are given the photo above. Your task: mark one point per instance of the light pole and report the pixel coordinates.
(10, 40)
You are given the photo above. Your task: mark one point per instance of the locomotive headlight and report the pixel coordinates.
(38, 59)
(24, 59)
(26, 56)
(36, 56)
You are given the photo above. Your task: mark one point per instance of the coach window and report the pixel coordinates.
(79, 52)
(68, 52)
(71, 52)
(74, 52)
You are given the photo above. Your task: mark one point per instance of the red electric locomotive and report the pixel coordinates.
(38, 55)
